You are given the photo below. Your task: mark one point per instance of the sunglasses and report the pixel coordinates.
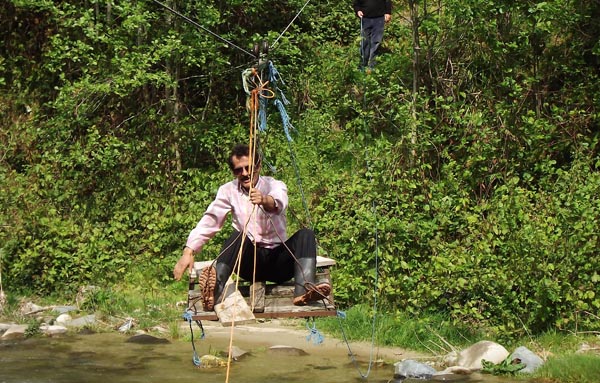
(239, 170)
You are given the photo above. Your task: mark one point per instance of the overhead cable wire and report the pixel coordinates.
(218, 37)
(289, 25)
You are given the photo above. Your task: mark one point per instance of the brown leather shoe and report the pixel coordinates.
(207, 282)
(313, 293)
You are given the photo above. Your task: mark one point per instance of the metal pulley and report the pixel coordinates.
(260, 52)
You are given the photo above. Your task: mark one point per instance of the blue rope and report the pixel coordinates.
(280, 101)
(285, 119)
(188, 317)
(341, 315)
(262, 114)
(314, 334)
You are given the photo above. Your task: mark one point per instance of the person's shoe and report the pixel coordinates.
(314, 293)
(207, 282)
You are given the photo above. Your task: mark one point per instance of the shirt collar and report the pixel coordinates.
(244, 191)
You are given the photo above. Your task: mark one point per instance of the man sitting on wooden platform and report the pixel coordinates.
(257, 205)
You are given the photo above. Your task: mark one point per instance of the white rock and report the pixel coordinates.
(63, 319)
(451, 359)
(412, 369)
(455, 370)
(471, 357)
(53, 330)
(531, 360)
(15, 331)
(4, 327)
(29, 308)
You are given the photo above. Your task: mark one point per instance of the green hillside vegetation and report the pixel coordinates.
(467, 161)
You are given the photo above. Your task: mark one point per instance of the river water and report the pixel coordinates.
(108, 358)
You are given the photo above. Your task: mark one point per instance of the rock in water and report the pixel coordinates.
(412, 369)
(146, 339)
(531, 361)
(287, 350)
(211, 361)
(471, 357)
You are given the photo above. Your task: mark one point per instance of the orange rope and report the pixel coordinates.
(253, 107)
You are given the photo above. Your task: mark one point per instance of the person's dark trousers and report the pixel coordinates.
(278, 264)
(372, 35)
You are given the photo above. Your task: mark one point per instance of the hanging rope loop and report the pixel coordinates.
(187, 315)
(314, 334)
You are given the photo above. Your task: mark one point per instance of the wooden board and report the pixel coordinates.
(277, 299)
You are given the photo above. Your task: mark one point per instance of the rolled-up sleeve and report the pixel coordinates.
(279, 193)
(211, 222)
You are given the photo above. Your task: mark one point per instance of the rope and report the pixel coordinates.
(2, 295)
(286, 28)
(280, 102)
(249, 78)
(218, 37)
(314, 334)
(188, 317)
(342, 315)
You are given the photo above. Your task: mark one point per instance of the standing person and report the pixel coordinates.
(373, 15)
(257, 205)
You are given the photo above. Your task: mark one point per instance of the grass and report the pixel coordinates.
(571, 368)
(433, 333)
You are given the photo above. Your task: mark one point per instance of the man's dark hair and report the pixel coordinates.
(242, 150)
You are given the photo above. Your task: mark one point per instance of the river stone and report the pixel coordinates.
(16, 331)
(413, 369)
(531, 361)
(471, 357)
(452, 374)
(53, 330)
(63, 319)
(86, 320)
(455, 370)
(287, 350)
(212, 361)
(236, 353)
(450, 378)
(29, 308)
(4, 327)
(64, 309)
(146, 339)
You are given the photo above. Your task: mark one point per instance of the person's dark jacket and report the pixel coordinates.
(373, 8)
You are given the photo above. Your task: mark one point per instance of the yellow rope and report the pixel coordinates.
(254, 107)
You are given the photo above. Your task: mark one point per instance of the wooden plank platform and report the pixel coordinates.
(277, 298)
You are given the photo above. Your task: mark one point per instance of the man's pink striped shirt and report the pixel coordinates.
(264, 229)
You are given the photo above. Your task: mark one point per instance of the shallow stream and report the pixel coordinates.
(108, 358)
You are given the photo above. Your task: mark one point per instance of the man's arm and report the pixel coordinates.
(266, 201)
(212, 221)
(186, 262)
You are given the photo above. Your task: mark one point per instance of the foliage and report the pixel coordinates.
(459, 178)
(33, 329)
(506, 367)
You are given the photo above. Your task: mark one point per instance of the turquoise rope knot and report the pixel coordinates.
(314, 334)
(280, 101)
